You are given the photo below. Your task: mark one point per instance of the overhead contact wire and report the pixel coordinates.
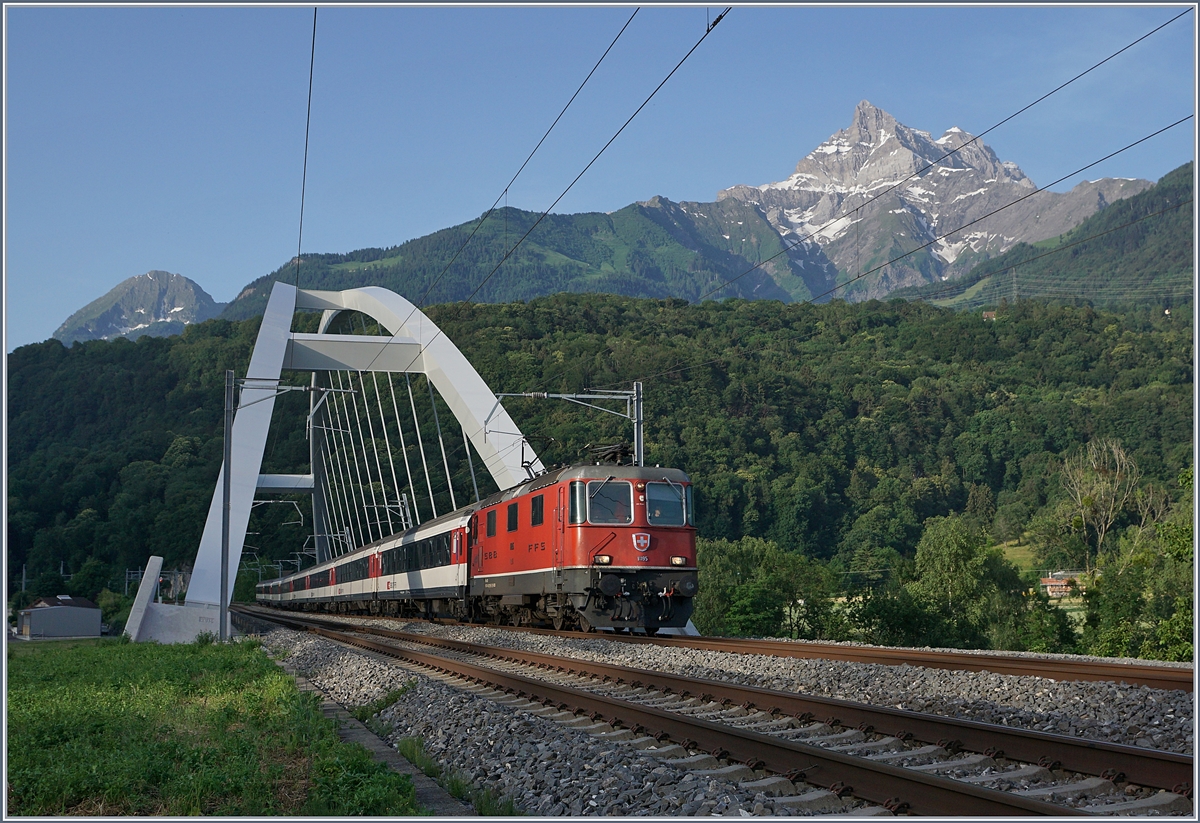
(591, 162)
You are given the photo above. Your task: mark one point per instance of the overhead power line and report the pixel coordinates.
(686, 366)
(504, 192)
(1056, 250)
(921, 171)
(604, 148)
(307, 122)
(571, 185)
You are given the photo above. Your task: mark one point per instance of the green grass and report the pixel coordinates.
(486, 803)
(357, 265)
(116, 728)
(1020, 555)
(365, 712)
(958, 299)
(1076, 609)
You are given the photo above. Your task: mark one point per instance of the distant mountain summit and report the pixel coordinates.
(157, 303)
(828, 202)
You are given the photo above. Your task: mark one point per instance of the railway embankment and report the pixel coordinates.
(581, 765)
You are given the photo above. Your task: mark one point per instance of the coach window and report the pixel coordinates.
(578, 503)
(610, 502)
(512, 517)
(491, 523)
(537, 512)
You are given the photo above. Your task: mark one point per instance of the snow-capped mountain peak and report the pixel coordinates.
(879, 189)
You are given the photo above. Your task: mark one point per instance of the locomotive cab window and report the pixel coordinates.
(537, 510)
(491, 523)
(578, 503)
(610, 502)
(512, 517)
(665, 504)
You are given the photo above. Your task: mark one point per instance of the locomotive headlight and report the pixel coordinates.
(676, 560)
(602, 560)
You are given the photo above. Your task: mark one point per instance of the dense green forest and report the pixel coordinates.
(856, 465)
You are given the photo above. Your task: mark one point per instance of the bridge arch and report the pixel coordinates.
(415, 345)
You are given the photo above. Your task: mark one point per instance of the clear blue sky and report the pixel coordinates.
(173, 138)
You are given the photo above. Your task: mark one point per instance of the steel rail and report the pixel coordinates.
(874, 782)
(1169, 678)
(1147, 767)
(1158, 677)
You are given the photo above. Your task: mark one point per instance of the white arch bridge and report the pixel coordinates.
(360, 493)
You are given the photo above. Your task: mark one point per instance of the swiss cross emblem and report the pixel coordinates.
(641, 541)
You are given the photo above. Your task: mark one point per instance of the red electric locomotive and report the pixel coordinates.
(590, 546)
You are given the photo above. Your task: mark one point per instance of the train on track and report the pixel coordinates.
(583, 547)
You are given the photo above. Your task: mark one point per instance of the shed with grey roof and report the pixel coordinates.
(61, 616)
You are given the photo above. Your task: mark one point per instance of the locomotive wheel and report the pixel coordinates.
(559, 620)
(584, 625)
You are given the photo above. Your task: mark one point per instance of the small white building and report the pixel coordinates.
(62, 616)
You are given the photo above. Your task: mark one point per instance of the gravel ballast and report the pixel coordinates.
(550, 770)
(545, 768)
(1111, 712)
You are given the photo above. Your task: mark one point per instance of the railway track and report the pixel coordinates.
(886, 757)
(1179, 678)
(1173, 678)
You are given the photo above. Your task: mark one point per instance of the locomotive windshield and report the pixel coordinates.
(664, 504)
(610, 502)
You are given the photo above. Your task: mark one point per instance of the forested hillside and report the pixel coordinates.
(1134, 251)
(655, 249)
(841, 437)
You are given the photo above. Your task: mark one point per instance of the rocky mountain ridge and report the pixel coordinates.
(847, 223)
(157, 303)
(852, 197)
